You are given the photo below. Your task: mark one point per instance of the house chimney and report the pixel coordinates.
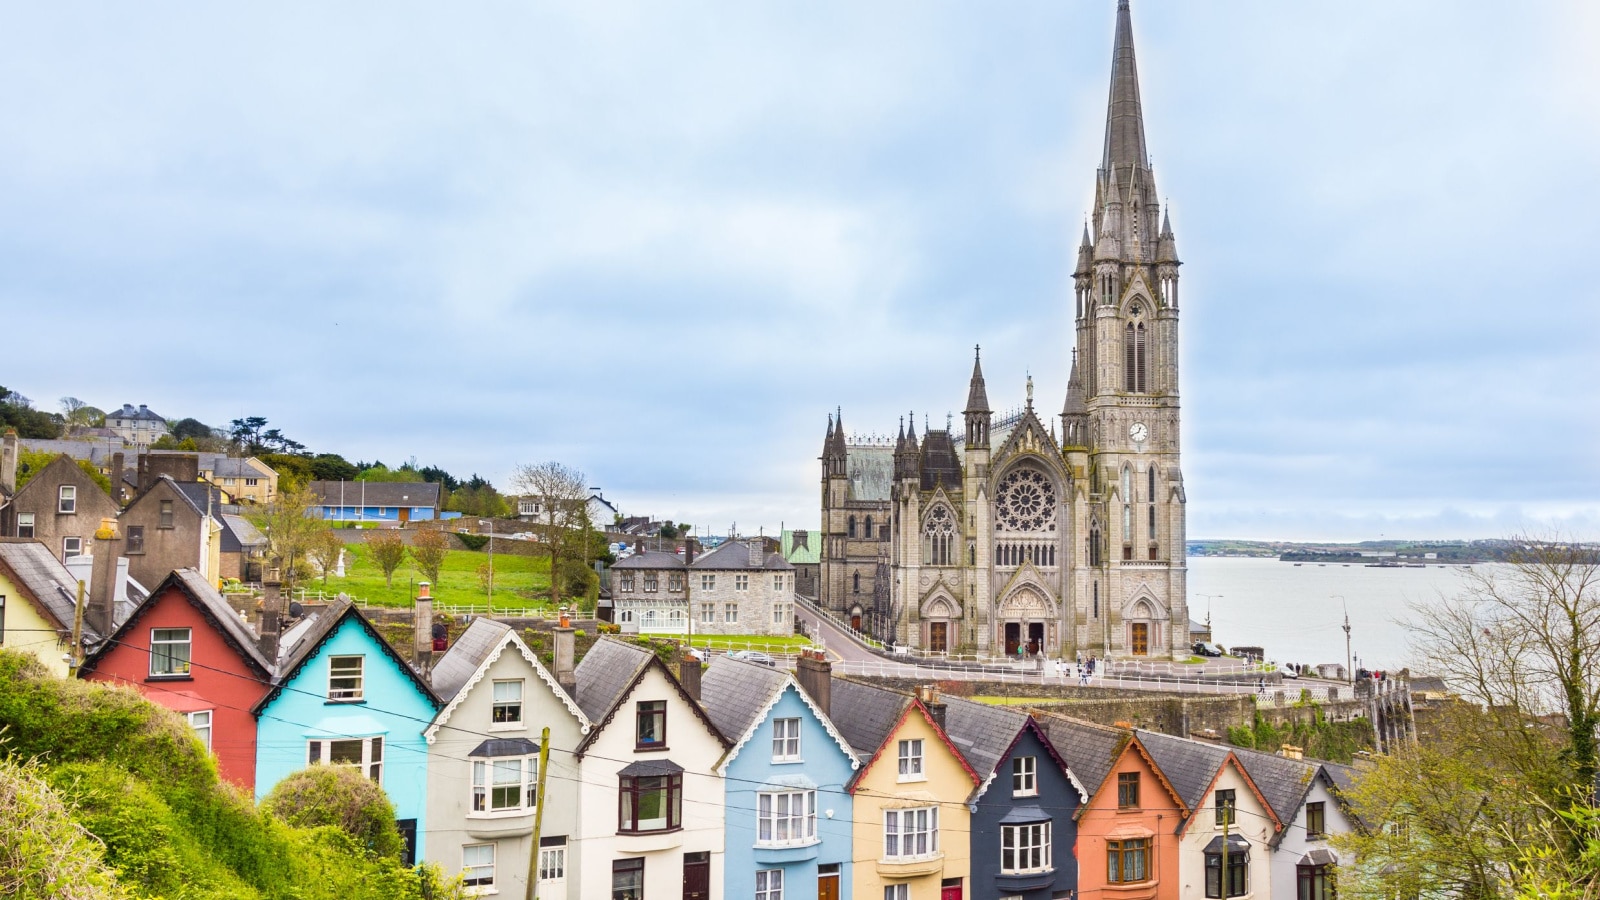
(423, 640)
(929, 695)
(1290, 751)
(689, 674)
(8, 462)
(100, 615)
(638, 545)
(271, 612)
(117, 462)
(758, 553)
(565, 671)
(815, 675)
(690, 548)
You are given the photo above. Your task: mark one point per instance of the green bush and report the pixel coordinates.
(43, 852)
(473, 541)
(339, 796)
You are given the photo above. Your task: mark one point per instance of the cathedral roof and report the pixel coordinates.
(977, 396)
(1074, 405)
(870, 471)
(940, 464)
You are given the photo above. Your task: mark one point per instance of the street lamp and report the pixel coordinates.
(1209, 598)
(489, 523)
(1349, 664)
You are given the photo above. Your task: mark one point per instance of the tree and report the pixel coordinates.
(428, 550)
(30, 462)
(193, 428)
(290, 528)
(77, 414)
(246, 433)
(332, 467)
(292, 470)
(341, 796)
(477, 497)
(388, 551)
(1526, 637)
(17, 411)
(380, 472)
(563, 494)
(325, 549)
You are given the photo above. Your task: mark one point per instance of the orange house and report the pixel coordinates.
(1127, 832)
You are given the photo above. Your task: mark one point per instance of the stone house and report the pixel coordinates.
(172, 525)
(741, 587)
(60, 506)
(139, 427)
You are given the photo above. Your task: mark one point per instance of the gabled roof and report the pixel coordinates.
(739, 695)
(986, 734)
(1189, 766)
(1283, 782)
(192, 586)
(609, 673)
(916, 708)
(865, 714)
(376, 493)
(244, 534)
(1089, 750)
(292, 656)
(802, 546)
(43, 580)
(474, 652)
(650, 559)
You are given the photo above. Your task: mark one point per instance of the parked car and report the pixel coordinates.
(1205, 648)
(754, 656)
(1287, 672)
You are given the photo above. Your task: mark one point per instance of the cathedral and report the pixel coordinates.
(1031, 532)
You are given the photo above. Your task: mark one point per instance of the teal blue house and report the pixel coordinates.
(788, 827)
(344, 697)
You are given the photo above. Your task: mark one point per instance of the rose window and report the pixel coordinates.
(1026, 501)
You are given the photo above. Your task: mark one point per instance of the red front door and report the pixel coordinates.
(950, 891)
(855, 622)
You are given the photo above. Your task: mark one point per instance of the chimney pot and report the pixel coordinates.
(423, 633)
(267, 629)
(815, 675)
(566, 673)
(689, 675)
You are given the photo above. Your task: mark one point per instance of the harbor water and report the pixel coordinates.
(1293, 612)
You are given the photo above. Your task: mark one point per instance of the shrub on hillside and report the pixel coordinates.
(339, 796)
(43, 852)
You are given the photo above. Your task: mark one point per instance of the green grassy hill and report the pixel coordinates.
(519, 581)
(106, 795)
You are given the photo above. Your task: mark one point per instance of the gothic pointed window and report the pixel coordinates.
(1134, 357)
(939, 537)
(869, 531)
(852, 526)
(1139, 365)
(1094, 544)
(855, 583)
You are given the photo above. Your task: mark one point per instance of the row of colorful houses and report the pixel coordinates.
(730, 780)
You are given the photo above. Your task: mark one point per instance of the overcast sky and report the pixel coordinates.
(661, 241)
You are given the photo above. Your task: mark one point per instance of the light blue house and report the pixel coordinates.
(788, 827)
(395, 502)
(344, 697)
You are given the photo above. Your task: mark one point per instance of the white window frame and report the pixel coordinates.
(708, 613)
(25, 525)
(786, 818)
(251, 482)
(911, 833)
(505, 712)
(777, 582)
(1029, 846)
(909, 753)
(482, 879)
(675, 582)
(786, 740)
(741, 582)
(708, 582)
(201, 722)
(71, 546)
(624, 617)
(730, 613)
(652, 582)
(67, 499)
(769, 884)
(900, 891)
(168, 637)
(319, 752)
(349, 694)
(1024, 776)
(627, 582)
(553, 864)
(494, 777)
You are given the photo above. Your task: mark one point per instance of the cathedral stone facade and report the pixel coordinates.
(1061, 535)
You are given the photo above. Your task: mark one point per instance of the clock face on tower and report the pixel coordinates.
(1138, 432)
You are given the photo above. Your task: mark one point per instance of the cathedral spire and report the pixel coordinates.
(977, 395)
(1074, 405)
(1124, 146)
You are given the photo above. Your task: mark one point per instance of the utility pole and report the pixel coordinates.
(1349, 664)
(1227, 819)
(490, 523)
(538, 815)
(77, 635)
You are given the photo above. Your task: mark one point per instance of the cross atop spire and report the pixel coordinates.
(977, 394)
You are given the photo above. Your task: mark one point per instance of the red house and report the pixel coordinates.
(187, 650)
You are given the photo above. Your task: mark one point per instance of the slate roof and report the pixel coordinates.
(1283, 782)
(1189, 766)
(36, 572)
(128, 411)
(982, 732)
(734, 693)
(864, 714)
(376, 493)
(605, 674)
(198, 591)
(650, 559)
(802, 547)
(736, 555)
(1088, 749)
(94, 451)
(244, 533)
(456, 667)
(870, 470)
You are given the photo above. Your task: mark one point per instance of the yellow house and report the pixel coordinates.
(37, 599)
(247, 480)
(912, 825)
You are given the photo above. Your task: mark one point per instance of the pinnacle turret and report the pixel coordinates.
(977, 395)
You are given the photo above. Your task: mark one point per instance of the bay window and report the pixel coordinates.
(1128, 861)
(504, 785)
(650, 797)
(786, 818)
(1025, 848)
(910, 832)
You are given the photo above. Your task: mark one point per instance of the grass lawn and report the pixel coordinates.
(517, 579)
